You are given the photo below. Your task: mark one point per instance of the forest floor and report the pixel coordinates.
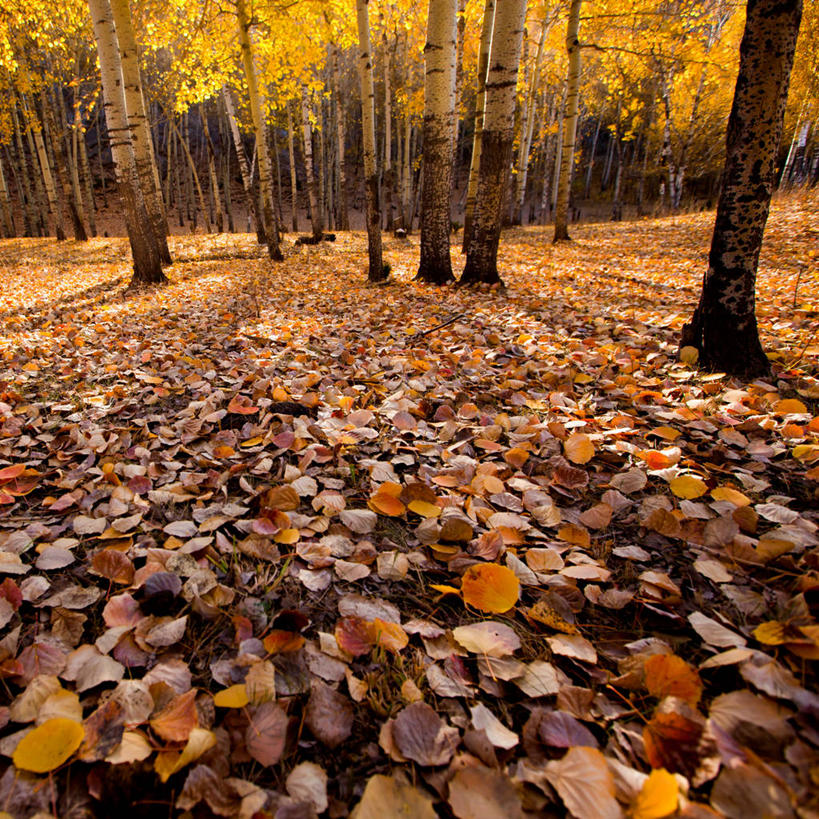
(514, 558)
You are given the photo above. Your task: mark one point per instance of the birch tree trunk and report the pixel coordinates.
(341, 193)
(244, 169)
(294, 183)
(496, 143)
(377, 270)
(62, 166)
(265, 176)
(35, 130)
(144, 248)
(527, 131)
(724, 328)
(309, 171)
(439, 134)
(480, 102)
(569, 124)
(139, 126)
(214, 178)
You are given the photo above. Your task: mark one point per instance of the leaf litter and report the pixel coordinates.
(269, 547)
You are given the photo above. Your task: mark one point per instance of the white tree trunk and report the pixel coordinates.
(569, 124)
(258, 115)
(309, 170)
(147, 259)
(480, 101)
(377, 271)
(139, 125)
(496, 143)
(439, 136)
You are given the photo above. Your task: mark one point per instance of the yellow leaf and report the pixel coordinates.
(806, 452)
(771, 633)
(726, 493)
(579, 448)
(444, 589)
(688, 487)
(287, 536)
(48, 745)
(490, 587)
(233, 697)
(658, 797)
(168, 763)
(424, 509)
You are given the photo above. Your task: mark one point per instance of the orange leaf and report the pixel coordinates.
(389, 635)
(490, 587)
(386, 504)
(668, 675)
(579, 448)
(242, 405)
(177, 719)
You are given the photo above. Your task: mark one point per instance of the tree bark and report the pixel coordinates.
(309, 170)
(5, 207)
(439, 134)
(35, 132)
(569, 124)
(145, 251)
(265, 176)
(480, 103)
(244, 169)
(214, 178)
(724, 327)
(377, 270)
(496, 145)
(139, 126)
(341, 193)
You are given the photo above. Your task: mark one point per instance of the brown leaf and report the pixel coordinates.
(266, 734)
(177, 719)
(329, 715)
(421, 735)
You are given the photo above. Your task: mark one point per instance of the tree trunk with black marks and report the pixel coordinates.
(377, 271)
(480, 103)
(244, 169)
(147, 260)
(496, 143)
(569, 124)
(439, 133)
(309, 170)
(724, 328)
(140, 126)
(268, 219)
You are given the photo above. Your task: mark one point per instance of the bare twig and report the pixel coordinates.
(450, 320)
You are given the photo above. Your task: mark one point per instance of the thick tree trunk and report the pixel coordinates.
(265, 176)
(244, 170)
(480, 104)
(496, 145)
(146, 256)
(139, 126)
(569, 124)
(439, 134)
(309, 171)
(723, 327)
(377, 271)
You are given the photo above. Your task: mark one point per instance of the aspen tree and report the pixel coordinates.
(309, 170)
(439, 133)
(569, 124)
(496, 143)
(139, 126)
(724, 328)
(144, 249)
(259, 125)
(377, 271)
(480, 102)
